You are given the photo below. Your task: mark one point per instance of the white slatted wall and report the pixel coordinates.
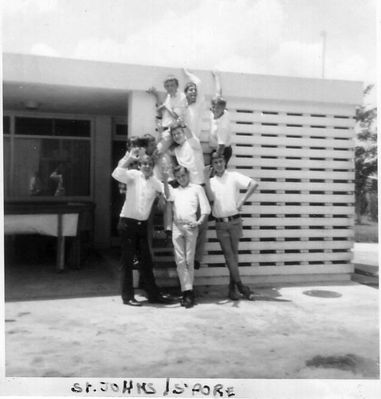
(300, 221)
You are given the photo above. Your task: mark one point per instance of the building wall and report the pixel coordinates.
(299, 224)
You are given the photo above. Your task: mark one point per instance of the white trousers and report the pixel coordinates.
(184, 243)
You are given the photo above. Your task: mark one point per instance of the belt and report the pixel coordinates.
(179, 221)
(228, 218)
(136, 221)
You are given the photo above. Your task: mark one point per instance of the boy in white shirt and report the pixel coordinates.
(224, 191)
(220, 135)
(142, 188)
(188, 153)
(186, 198)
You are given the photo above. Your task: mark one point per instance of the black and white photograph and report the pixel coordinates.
(190, 199)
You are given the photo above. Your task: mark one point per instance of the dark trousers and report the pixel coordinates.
(228, 235)
(134, 234)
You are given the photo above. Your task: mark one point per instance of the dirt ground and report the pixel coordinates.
(287, 332)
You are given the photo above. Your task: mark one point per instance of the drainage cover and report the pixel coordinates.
(322, 293)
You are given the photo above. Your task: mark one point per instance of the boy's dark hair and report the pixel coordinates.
(219, 100)
(170, 78)
(136, 141)
(179, 168)
(214, 155)
(131, 142)
(189, 85)
(149, 138)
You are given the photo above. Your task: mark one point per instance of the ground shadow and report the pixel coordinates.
(219, 295)
(39, 280)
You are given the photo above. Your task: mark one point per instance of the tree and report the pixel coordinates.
(366, 158)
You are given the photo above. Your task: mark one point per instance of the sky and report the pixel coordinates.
(276, 37)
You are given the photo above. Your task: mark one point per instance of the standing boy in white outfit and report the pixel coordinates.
(188, 153)
(186, 198)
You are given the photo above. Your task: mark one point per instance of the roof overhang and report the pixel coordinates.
(19, 96)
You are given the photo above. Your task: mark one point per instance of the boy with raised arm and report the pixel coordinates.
(142, 188)
(196, 103)
(220, 135)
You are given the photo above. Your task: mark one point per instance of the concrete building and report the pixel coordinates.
(293, 135)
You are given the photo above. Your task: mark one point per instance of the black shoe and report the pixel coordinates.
(233, 293)
(161, 299)
(245, 291)
(131, 302)
(197, 265)
(182, 300)
(188, 299)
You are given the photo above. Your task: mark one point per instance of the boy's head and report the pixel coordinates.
(218, 106)
(171, 84)
(131, 142)
(181, 175)
(146, 165)
(218, 163)
(178, 135)
(136, 145)
(150, 143)
(190, 91)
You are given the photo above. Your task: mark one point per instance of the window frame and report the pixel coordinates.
(12, 137)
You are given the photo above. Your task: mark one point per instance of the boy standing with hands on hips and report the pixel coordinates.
(223, 191)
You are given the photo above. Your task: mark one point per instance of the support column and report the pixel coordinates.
(141, 113)
(102, 180)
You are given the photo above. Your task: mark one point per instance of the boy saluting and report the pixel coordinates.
(142, 188)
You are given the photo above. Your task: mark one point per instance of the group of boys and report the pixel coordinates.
(172, 168)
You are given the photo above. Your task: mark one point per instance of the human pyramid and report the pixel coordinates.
(170, 172)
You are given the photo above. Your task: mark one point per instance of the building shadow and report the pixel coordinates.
(32, 275)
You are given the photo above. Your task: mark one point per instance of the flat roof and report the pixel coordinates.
(121, 78)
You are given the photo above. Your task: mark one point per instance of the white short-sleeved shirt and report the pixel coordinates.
(141, 192)
(220, 130)
(226, 192)
(177, 104)
(186, 201)
(189, 154)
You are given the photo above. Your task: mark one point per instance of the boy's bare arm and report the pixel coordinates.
(152, 90)
(192, 77)
(208, 190)
(217, 83)
(249, 192)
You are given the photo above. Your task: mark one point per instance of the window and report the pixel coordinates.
(47, 157)
(121, 130)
